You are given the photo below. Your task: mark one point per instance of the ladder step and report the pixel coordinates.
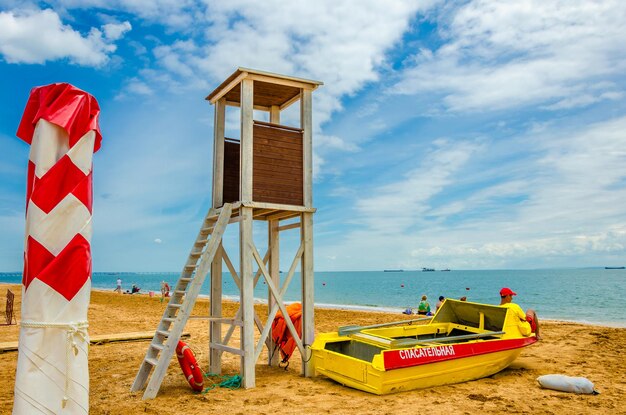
(152, 361)
(225, 348)
(184, 295)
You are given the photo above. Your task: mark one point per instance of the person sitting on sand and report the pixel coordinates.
(529, 323)
(134, 289)
(440, 302)
(423, 308)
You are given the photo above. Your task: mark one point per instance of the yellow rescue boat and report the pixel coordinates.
(463, 341)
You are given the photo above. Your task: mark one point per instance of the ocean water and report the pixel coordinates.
(593, 296)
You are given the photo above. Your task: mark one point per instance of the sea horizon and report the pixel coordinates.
(590, 295)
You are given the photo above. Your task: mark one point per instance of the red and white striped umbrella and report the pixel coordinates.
(60, 123)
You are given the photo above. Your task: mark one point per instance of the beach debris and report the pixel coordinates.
(565, 383)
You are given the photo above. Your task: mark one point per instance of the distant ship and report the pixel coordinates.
(427, 269)
(447, 269)
(614, 267)
(393, 270)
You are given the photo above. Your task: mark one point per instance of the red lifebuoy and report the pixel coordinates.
(190, 367)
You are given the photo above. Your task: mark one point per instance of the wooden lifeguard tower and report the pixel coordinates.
(265, 175)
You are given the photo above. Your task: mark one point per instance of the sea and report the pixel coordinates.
(591, 295)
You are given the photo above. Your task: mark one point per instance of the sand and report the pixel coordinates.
(567, 348)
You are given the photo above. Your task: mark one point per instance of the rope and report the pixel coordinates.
(223, 381)
(307, 347)
(74, 329)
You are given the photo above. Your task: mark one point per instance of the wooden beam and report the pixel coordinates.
(246, 153)
(224, 348)
(256, 107)
(277, 206)
(247, 290)
(283, 215)
(215, 327)
(308, 320)
(100, 339)
(290, 226)
(273, 244)
(275, 114)
(218, 153)
(312, 83)
(306, 122)
(282, 81)
(228, 87)
(279, 302)
(292, 101)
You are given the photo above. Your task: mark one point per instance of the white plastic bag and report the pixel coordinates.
(567, 384)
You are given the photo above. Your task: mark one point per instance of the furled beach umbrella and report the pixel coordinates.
(60, 123)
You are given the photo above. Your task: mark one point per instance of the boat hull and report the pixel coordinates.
(467, 341)
(365, 376)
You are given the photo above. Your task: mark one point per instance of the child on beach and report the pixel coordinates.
(165, 290)
(529, 323)
(423, 308)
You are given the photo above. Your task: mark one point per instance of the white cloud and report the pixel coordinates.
(158, 241)
(115, 31)
(409, 198)
(341, 44)
(498, 55)
(569, 196)
(37, 36)
(174, 14)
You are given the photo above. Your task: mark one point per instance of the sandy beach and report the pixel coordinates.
(567, 348)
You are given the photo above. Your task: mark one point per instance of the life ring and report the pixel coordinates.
(190, 367)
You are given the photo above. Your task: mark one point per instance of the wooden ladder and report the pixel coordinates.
(182, 301)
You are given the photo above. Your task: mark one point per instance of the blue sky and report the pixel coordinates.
(468, 135)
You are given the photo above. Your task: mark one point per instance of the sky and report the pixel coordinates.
(458, 134)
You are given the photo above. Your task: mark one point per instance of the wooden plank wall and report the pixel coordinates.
(231, 171)
(277, 164)
(277, 168)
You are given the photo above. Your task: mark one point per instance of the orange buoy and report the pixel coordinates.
(190, 367)
(280, 333)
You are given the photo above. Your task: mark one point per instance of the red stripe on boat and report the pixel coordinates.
(397, 359)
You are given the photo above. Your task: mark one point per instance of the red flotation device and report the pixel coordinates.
(190, 367)
(280, 332)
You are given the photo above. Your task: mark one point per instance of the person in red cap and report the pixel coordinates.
(529, 323)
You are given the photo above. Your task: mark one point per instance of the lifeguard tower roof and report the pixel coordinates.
(270, 89)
